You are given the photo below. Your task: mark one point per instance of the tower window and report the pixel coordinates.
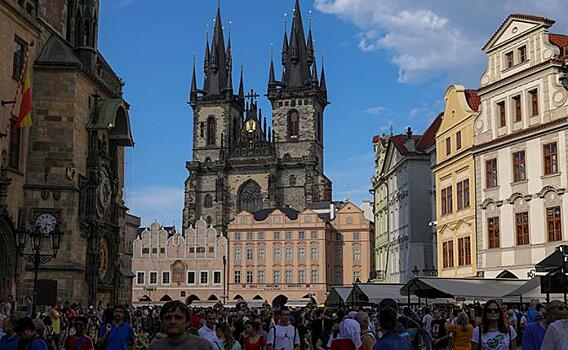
(211, 130)
(250, 197)
(208, 201)
(18, 62)
(293, 124)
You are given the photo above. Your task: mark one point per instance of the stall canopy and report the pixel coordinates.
(373, 293)
(338, 296)
(302, 302)
(466, 288)
(553, 262)
(528, 291)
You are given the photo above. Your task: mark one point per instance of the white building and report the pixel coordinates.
(521, 144)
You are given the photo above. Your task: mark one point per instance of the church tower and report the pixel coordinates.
(217, 117)
(298, 103)
(241, 163)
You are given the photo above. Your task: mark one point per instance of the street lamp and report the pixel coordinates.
(36, 257)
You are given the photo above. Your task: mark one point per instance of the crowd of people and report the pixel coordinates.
(488, 326)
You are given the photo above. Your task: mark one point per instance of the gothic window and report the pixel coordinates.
(211, 130)
(250, 198)
(208, 201)
(293, 124)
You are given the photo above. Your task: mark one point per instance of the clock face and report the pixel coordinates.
(105, 193)
(250, 125)
(46, 223)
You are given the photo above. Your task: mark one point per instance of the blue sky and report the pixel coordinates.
(388, 62)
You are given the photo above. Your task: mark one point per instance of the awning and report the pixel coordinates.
(552, 262)
(302, 302)
(373, 293)
(463, 288)
(338, 296)
(529, 291)
(125, 271)
(204, 303)
(253, 304)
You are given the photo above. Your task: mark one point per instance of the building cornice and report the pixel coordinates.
(454, 159)
(521, 74)
(521, 134)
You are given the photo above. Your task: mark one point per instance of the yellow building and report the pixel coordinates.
(455, 185)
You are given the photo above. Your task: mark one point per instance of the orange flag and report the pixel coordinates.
(25, 116)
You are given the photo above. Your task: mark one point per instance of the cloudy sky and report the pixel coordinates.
(388, 63)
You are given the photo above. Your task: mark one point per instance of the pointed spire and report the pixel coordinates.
(310, 48)
(207, 53)
(193, 92)
(230, 80)
(323, 85)
(271, 76)
(241, 86)
(229, 54)
(285, 49)
(315, 72)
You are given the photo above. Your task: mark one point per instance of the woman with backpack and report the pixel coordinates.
(493, 333)
(253, 340)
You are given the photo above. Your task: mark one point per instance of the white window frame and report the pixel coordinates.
(263, 274)
(169, 278)
(251, 251)
(194, 277)
(235, 277)
(150, 277)
(312, 276)
(301, 276)
(251, 276)
(220, 279)
(143, 278)
(204, 284)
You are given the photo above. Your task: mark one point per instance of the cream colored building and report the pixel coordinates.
(455, 185)
(282, 254)
(521, 143)
(381, 209)
(171, 266)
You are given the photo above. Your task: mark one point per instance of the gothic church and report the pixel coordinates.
(241, 163)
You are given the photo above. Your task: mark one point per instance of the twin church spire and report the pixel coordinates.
(298, 61)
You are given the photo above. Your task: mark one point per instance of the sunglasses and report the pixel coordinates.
(493, 311)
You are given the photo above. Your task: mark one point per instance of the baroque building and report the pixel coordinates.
(404, 246)
(66, 171)
(172, 266)
(455, 183)
(281, 255)
(240, 162)
(520, 147)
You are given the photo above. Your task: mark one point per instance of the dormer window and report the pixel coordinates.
(522, 54)
(509, 59)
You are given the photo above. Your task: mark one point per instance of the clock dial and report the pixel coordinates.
(46, 223)
(105, 193)
(250, 125)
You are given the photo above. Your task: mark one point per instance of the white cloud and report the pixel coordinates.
(162, 204)
(378, 110)
(426, 38)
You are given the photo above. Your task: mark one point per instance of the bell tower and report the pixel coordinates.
(298, 103)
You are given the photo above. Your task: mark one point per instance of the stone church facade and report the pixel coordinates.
(69, 165)
(240, 162)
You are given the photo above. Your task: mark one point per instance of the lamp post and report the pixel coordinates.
(224, 279)
(36, 257)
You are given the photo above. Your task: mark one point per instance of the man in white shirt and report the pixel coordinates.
(208, 332)
(427, 320)
(283, 336)
(556, 336)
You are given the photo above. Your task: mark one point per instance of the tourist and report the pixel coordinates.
(427, 320)
(460, 333)
(176, 318)
(440, 338)
(534, 333)
(367, 336)
(556, 337)
(252, 339)
(493, 333)
(283, 336)
(390, 339)
(323, 340)
(32, 334)
(117, 335)
(10, 340)
(208, 332)
(226, 339)
(79, 341)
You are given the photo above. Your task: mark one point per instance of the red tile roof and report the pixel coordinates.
(561, 41)
(400, 140)
(472, 99)
(429, 137)
(546, 21)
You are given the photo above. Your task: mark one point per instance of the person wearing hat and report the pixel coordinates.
(533, 337)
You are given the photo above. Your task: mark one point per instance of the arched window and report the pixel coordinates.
(250, 197)
(208, 201)
(293, 124)
(211, 130)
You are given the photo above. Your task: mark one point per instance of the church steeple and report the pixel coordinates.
(323, 85)
(193, 92)
(218, 61)
(241, 87)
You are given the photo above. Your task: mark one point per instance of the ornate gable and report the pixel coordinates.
(515, 26)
